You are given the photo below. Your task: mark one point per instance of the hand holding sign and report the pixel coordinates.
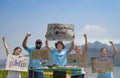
(40, 54)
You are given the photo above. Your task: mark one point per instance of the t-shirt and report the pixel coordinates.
(33, 63)
(60, 58)
(106, 74)
(14, 74)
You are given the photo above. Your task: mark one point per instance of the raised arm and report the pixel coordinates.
(47, 45)
(5, 45)
(86, 44)
(72, 44)
(24, 44)
(115, 49)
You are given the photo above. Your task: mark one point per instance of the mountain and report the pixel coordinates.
(94, 51)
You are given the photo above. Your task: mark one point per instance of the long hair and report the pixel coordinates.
(16, 49)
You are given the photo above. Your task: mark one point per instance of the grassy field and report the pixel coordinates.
(4, 73)
(47, 74)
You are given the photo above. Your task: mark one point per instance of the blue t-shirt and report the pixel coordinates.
(60, 58)
(33, 63)
(106, 74)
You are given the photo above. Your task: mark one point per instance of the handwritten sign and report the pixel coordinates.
(60, 32)
(104, 64)
(40, 54)
(77, 60)
(17, 63)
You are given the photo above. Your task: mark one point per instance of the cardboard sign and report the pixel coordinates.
(77, 60)
(40, 54)
(60, 32)
(17, 63)
(104, 64)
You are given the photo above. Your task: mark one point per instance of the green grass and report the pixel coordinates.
(4, 73)
(47, 74)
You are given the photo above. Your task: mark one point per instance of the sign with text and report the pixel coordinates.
(60, 32)
(77, 60)
(103, 64)
(17, 63)
(40, 54)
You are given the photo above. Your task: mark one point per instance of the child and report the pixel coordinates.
(104, 53)
(59, 57)
(17, 52)
(78, 50)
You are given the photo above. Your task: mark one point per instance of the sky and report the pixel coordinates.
(99, 19)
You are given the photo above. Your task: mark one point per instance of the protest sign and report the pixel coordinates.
(104, 64)
(79, 60)
(40, 54)
(60, 32)
(17, 63)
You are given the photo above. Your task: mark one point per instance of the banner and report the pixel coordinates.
(104, 64)
(40, 54)
(77, 60)
(60, 32)
(17, 63)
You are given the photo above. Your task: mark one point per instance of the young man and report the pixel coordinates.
(33, 63)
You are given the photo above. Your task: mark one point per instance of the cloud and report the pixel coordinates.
(94, 33)
(95, 29)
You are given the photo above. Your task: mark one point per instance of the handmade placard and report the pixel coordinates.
(103, 64)
(40, 54)
(60, 32)
(77, 60)
(17, 63)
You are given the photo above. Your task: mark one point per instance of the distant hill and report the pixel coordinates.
(94, 51)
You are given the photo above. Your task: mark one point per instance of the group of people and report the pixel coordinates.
(59, 55)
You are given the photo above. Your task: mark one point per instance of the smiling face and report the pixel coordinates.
(78, 49)
(17, 51)
(59, 46)
(104, 52)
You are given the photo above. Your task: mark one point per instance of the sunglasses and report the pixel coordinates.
(38, 42)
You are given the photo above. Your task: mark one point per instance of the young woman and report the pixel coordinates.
(17, 52)
(104, 53)
(59, 55)
(78, 50)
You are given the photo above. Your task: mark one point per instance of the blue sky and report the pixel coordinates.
(99, 19)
